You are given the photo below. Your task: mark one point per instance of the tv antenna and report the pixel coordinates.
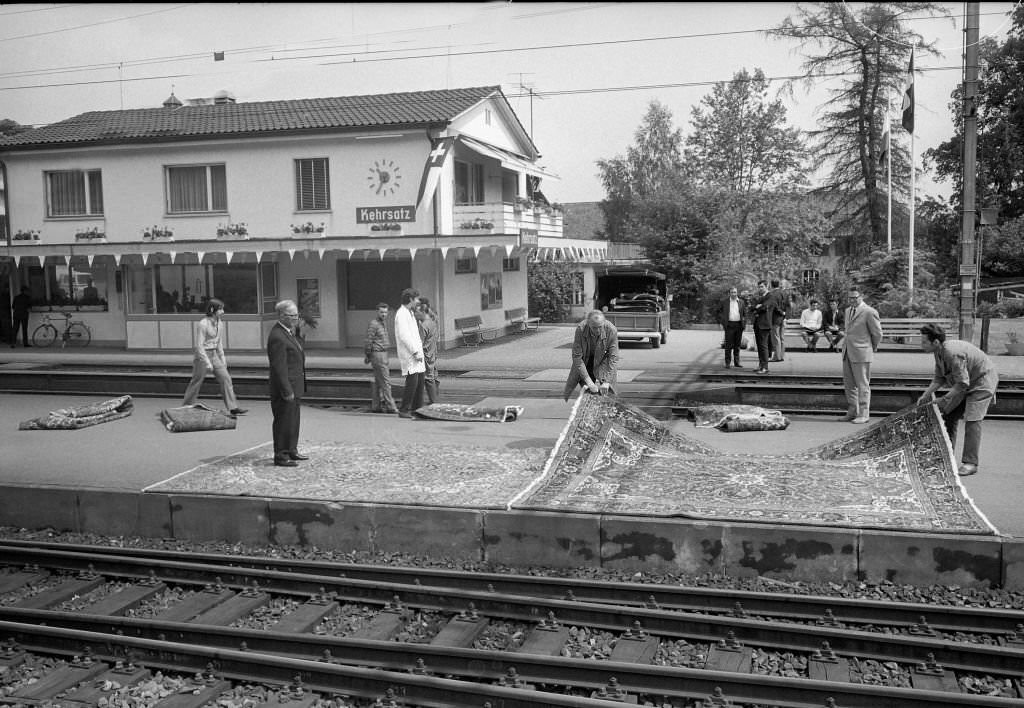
(528, 88)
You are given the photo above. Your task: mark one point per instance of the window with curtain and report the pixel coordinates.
(74, 193)
(245, 288)
(469, 183)
(312, 185)
(196, 189)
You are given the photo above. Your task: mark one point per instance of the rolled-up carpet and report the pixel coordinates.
(189, 419)
(81, 416)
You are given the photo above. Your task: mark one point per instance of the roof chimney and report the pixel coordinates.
(222, 97)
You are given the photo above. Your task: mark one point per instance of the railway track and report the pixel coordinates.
(569, 638)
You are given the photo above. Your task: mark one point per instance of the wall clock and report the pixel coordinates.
(385, 177)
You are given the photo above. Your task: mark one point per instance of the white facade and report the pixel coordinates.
(468, 238)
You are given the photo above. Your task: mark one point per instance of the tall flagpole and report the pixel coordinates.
(888, 171)
(908, 124)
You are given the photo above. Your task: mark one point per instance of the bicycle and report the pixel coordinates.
(77, 334)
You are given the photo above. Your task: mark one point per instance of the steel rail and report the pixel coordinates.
(981, 658)
(319, 676)
(804, 608)
(273, 656)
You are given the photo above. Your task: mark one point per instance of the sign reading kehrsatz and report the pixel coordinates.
(380, 215)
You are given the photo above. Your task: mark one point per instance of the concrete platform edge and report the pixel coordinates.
(528, 538)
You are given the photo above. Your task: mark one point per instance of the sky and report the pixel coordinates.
(580, 76)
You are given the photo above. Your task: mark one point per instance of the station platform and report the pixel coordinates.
(107, 479)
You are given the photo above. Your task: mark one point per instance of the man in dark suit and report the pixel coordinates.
(732, 315)
(287, 383)
(763, 308)
(779, 306)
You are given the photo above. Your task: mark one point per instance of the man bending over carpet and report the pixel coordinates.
(595, 356)
(972, 380)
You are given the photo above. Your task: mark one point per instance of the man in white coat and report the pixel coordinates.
(410, 353)
(863, 335)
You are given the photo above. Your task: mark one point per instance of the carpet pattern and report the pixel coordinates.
(443, 475)
(81, 416)
(896, 474)
(469, 414)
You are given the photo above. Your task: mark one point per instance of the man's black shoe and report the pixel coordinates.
(285, 463)
(297, 456)
(239, 411)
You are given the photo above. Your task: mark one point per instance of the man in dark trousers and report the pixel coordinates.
(20, 307)
(779, 307)
(732, 315)
(763, 308)
(287, 383)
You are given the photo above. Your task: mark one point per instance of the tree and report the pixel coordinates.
(11, 127)
(550, 285)
(740, 140)
(1001, 252)
(870, 52)
(999, 106)
(654, 157)
(883, 282)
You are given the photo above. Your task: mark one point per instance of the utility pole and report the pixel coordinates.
(968, 260)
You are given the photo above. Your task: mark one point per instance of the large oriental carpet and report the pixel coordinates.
(896, 474)
(384, 473)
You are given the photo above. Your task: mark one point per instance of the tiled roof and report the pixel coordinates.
(308, 114)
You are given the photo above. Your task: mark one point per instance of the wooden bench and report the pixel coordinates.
(895, 330)
(472, 332)
(517, 318)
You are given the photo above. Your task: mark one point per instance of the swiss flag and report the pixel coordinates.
(432, 170)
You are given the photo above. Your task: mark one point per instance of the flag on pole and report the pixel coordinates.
(432, 170)
(883, 154)
(908, 99)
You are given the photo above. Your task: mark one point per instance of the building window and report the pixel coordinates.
(811, 277)
(312, 185)
(74, 193)
(469, 183)
(195, 189)
(268, 286)
(510, 265)
(74, 285)
(490, 291)
(167, 289)
(465, 265)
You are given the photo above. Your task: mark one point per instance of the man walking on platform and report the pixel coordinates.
(972, 380)
(863, 335)
(763, 309)
(732, 315)
(375, 353)
(410, 353)
(287, 383)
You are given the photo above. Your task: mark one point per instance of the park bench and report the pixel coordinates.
(895, 330)
(471, 330)
(518, 320)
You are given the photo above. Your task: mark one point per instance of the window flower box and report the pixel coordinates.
(477, 225)
(91, 235)
(232, 231)
(308, 229)
(385, 227)
(157, 233)
(26, 236)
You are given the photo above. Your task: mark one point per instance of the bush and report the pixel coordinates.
(1005, 308)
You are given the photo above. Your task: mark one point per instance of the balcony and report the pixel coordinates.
(499, 218)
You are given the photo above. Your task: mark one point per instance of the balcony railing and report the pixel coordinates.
(506, 219)
(619, 251)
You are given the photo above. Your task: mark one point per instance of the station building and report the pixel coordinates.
(132, 219)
